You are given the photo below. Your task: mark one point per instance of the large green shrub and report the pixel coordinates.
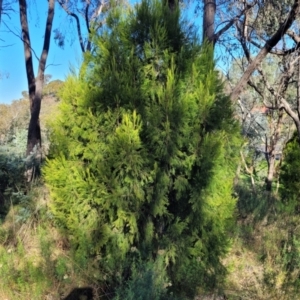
(143, 152)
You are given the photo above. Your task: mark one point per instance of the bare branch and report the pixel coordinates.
(265, 50)
(217, 35)
(243, 43)
(20, 37)
(65, 8)
(54, 65)
(285, 79)
(286, 106)
(87, 17)
(277, 51)
(248, 170)
(1, 6)
(98, 10)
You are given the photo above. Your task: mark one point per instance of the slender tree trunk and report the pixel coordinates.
(209, 12)
(271, 159)
(34, 130)
(297, 122)
(63, 4)
(35, 85)
(271, 170)
(249, 170)
(172, 4)
(1, 5)
(27, 51)
(209, 20)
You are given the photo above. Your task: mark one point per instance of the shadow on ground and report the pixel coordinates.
(85, 293)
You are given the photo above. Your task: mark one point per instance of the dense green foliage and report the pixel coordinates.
(13, 137)
(12, 179)
(13, 141)
(289, 175)
(144, 153)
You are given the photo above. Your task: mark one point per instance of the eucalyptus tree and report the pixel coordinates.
(265, 125)
(261, 32)
(277, 90)
(261, 24)
(93, 17)
(35, 83)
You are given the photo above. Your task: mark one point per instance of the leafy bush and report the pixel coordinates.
(52, 88)
(148, 282)
(144, 153)
(289, 174)
(11, 177)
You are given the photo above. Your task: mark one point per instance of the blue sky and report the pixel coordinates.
(12, 64)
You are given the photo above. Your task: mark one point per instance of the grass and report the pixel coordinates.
(35, 260)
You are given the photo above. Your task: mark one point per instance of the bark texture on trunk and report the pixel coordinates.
(209, 20)
(27, 51)
(35, 85)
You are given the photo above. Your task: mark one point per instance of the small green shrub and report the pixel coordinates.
(61, 267)
(289, 177)
(148, 281)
